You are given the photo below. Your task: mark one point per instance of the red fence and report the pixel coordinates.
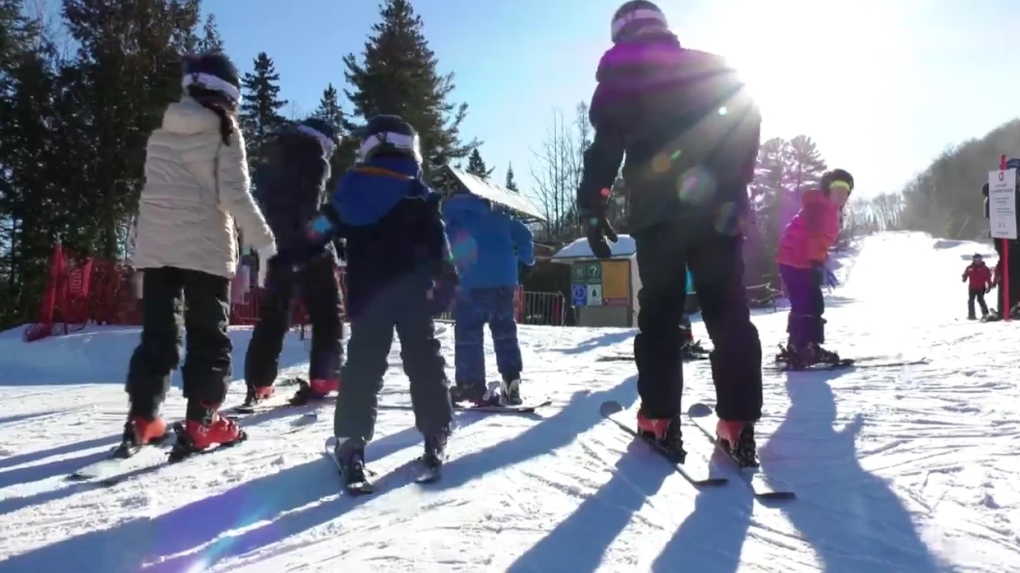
(80, 291)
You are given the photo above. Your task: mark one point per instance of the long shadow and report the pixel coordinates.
(712, 536)
(29, 457)
(579, 542)
(605, 339)
(60, 467)
(22, 417)
(855, 522)
(579, 415)
(193, 537)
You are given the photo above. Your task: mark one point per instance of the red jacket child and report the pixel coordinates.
(979, 275)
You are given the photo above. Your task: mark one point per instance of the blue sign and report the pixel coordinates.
(580, 293)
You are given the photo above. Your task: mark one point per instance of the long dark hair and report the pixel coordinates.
(218, 104)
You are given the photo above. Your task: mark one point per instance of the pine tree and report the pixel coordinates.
(399, 75)
(211, 40)
(127, 69)
(260, 113)
(329, 110)
(511, 183)
(476, 165)
(804, 166)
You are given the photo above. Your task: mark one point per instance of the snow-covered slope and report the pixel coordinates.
(897, 470)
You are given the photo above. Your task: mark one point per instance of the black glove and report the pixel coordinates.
(444, 291)
(598, 230)
(818, 272)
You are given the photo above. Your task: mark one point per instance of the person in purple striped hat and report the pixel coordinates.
(690, 132)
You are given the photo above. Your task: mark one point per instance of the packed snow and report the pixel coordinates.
(909, 469)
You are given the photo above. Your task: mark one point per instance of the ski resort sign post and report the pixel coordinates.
(1002, 216)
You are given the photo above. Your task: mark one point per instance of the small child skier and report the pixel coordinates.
(399, 275)
(980, 278)
(196, 188)
(488, 243)
(292, 186)
(802, 256)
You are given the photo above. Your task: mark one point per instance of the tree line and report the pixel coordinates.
(80, 94)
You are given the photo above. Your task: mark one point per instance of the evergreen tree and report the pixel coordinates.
(260, 113)
(511, 183)
(127, 69)
(804, 165)
(329, 110)
(211, 40)
(476, 165)
(399, 75)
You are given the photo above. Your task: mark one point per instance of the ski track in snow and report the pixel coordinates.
(908, 469)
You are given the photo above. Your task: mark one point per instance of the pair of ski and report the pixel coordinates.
(699, 473)
(128, 461)
(877, 362)
(424, 473)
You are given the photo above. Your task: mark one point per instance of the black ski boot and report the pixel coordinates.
(434, 457)
(474, 393)
(350, 455)
(510, 391)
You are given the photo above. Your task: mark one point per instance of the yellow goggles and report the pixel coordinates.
(842, 185)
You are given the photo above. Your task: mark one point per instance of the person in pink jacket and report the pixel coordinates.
(802, 254)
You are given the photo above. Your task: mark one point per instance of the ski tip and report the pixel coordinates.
(610, 407)
(700, 410)
(712, 482)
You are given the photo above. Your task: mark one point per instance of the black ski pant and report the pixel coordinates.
(977, 294)
(176, 302)
(716, 262)
(805, 323)
(318, 287)
(404, 306)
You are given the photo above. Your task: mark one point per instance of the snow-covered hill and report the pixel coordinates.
(907, 469)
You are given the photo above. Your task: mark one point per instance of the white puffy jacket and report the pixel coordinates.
(195, 189)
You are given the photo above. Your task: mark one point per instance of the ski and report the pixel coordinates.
(759, 483)
(701, 476)
(174, 449)
(497, 409)
(630, 357)
(351, 488)
(847, 363)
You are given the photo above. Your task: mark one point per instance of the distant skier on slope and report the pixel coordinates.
(399, 274)
(980, 278)
(292, 179)
(487, 244)
(196, 187)
(802, 256)
(689, 132)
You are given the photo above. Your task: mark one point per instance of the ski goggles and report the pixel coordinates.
(841, 186)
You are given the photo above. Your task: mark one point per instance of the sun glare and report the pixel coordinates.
(807, 60)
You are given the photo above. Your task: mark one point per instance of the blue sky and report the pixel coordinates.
(882, 86)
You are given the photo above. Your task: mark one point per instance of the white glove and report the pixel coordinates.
(265, 254)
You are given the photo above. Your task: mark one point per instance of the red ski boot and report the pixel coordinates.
(205, 427)
(737, 439)
(665, 432)
(314, 390)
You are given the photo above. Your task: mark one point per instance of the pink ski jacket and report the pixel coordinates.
(812, 232)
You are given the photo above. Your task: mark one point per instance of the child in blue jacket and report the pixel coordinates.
(398, 276)
(487, 244)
